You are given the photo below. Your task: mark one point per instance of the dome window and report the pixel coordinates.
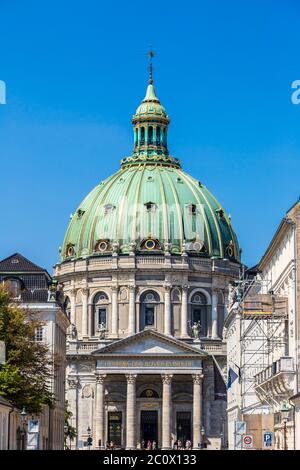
(230, 250)
(102, 246)
(150, 244)
(192, 209)
(70, 250)
(150, 206)
(179, 180)
(80, 213)
(220, 213)
(109, 208)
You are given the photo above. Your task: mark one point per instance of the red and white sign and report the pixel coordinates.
(247, 441)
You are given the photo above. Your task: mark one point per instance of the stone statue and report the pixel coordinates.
(102, 329)
(196, 328)
(73, 331)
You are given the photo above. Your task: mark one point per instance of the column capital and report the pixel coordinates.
(166, 378)
(167, 287)
(72, 292)
(85, 290)
(197, 378)
(131, 288)
(100, 378)
(73, 382)
(185, 288)
(115, 288)
(131, 378)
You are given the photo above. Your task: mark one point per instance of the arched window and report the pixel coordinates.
(142, 135)
(149, 304)
(136, 137)
(158, 136)
(100, 311)
(199, 311)
(149, 393)
(150, 135)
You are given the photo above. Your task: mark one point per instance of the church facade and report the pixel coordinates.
(145, 267)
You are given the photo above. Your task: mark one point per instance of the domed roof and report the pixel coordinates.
(150, 202)
(150, 205)
(150, 105)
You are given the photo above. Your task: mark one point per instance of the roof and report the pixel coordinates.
(18, 263)
(184, 212)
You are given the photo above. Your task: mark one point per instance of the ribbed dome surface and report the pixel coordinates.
(150, 201)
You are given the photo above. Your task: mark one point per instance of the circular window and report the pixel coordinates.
(70, 251)
(198, 246)
(230, 252)
(150, 244)
(101, 246)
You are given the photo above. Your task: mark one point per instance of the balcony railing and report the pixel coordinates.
(284, 364)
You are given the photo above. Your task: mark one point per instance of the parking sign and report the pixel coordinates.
(268, 439)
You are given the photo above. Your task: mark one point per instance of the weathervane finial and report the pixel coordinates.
(151, 55)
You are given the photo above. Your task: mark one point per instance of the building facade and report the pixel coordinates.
(32, 288)
(145, 267)
(262, 341)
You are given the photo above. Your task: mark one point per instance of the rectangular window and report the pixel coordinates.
(102, 316)
(39, 333)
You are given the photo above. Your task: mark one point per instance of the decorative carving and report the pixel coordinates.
(84, 291)
(123, 294)
(132, 248)
(131, 378)
(101, 330)
(166, 378)
(100, 378)
(197, 379)
(87, 392)
(73, 383)
(196, 329)
(114, 288)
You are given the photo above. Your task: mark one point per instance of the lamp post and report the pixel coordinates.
(202, 437)
(89, 439)
(221, 436)
(285, 410)
(23, 415)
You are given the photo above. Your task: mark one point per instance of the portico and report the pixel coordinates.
(139, 395)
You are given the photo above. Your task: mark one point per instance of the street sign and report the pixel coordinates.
(268, 438)
(240, 427)
(247, 441)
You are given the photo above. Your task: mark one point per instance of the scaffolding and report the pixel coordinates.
(263, 333)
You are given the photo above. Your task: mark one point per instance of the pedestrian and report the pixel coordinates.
(188, 444)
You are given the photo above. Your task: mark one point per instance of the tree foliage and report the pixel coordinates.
(24, 378)
(70, 431)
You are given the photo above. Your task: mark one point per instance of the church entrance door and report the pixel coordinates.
(149, 426)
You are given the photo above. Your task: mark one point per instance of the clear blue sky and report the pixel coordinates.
(75, 72)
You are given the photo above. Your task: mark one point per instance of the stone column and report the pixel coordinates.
(131, 412)
(184, 312)
(99, 412)
(72, 398)
(131, 316)
(167, 329)
(214, 315)
(114, 311)
(73, 305)
(166, 411)
(84, 326)
(225, 304)
(197, 409)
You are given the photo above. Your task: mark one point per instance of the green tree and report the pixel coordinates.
(70, 431)
(25, 377)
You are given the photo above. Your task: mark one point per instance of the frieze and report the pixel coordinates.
(151, 363)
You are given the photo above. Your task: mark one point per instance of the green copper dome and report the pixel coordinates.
(150, 205)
